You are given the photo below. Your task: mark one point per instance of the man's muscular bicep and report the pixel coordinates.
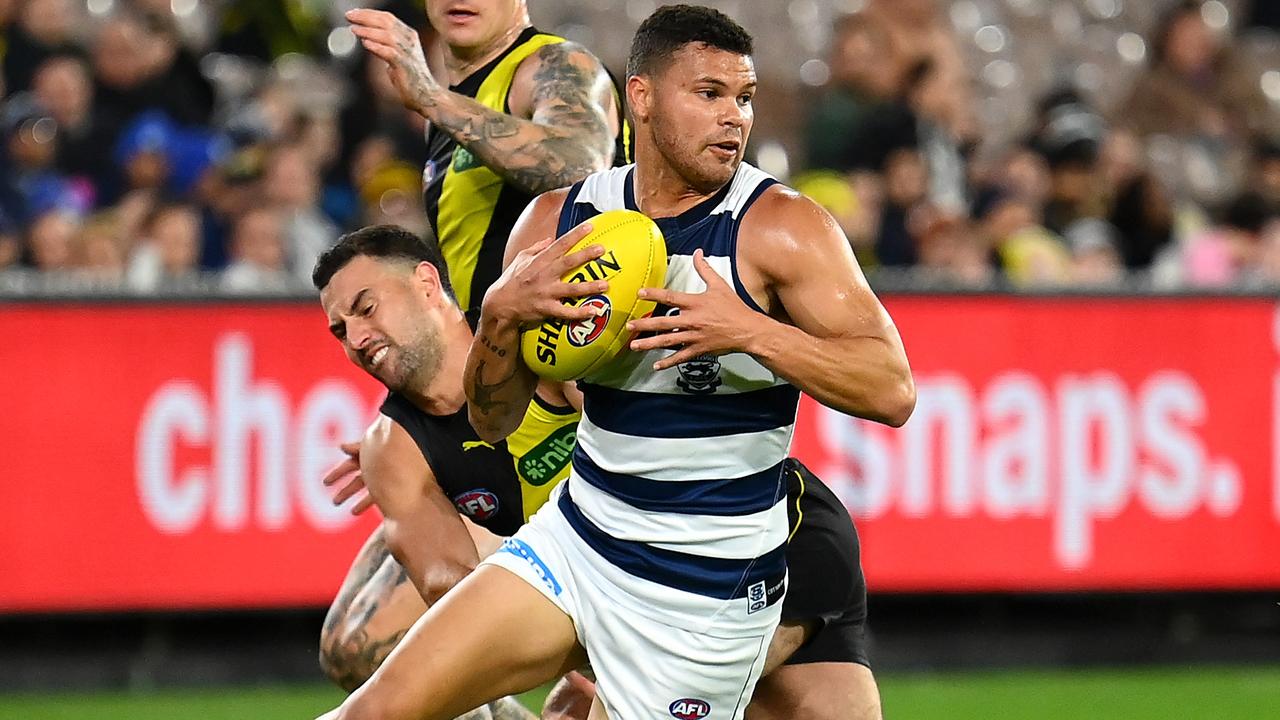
(423, 526)
(565, 90)
(807, 268)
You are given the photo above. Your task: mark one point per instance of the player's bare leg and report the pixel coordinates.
(811, 691)
(814, 691)
(372, 612)
(492, 635)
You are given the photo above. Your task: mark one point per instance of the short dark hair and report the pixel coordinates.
(672, 27)
(387, 242)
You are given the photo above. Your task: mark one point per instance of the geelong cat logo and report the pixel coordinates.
(690, 709)
(584, 333)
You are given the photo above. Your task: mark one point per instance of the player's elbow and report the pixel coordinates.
(899, 401)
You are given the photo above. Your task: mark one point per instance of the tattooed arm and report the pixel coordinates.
(424, 532)
(564, 107)
(499, 385)
(372, 612)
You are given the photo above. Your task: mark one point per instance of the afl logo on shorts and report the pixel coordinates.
(690, 709)
(477, 504)
(584, 333)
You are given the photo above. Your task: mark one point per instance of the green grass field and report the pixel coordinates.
(1251, 693)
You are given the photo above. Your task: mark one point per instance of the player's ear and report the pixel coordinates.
(427, 279)
(639, 96)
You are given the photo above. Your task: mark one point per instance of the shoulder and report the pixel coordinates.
(387, 446)
(555, 71)
(560, 57)
(538, 221)
(784, 214)
(784, 229)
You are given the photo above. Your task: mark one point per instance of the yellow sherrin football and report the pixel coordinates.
(635, 257)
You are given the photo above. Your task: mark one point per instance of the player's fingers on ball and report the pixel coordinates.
(578, 289)
(571, 238)
(579, 258)
(536, 249)
(572, 313)
(350, 448)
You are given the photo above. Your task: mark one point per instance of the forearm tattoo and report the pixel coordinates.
(484, 395)
(348, 653)
(567, 138)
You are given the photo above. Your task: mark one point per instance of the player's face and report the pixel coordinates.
(383, 319)
(474, 23)
(701, 113)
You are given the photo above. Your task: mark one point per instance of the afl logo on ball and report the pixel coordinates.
(690, 709)
(583, 333)
(477, 504)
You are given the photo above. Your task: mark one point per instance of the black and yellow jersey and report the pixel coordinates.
(498, 485)
(472, 210)
(542, 447)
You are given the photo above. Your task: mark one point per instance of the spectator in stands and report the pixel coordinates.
(168, 251)
(1266, 268)
(51, 239)
(29, 138)
(1095, 253)
(119, 53)
(1198, 90)
(43, 29)
(1142, 213)
(919, 33)
(292, 182)
(64, 86)
(98, 251)
(258, 254)
(10, 232)
(1221, 255)
(864, 75)
(1196, 85)
(1265, 172)
(948, 248)
(1069, 135)
(906, 182)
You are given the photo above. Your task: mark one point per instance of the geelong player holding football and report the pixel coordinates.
(665, 546)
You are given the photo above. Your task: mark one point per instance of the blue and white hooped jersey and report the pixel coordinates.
(677, 474)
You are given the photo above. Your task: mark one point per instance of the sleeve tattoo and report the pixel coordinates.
(566, 139)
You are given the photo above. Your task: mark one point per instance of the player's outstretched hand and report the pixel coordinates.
(531, 289)
(384, 35)
(713, 322)
(348, 472)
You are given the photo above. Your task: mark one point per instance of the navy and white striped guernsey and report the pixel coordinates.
(677, 474)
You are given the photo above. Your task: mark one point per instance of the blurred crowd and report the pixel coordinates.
(1177, 184)
(150, 144)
